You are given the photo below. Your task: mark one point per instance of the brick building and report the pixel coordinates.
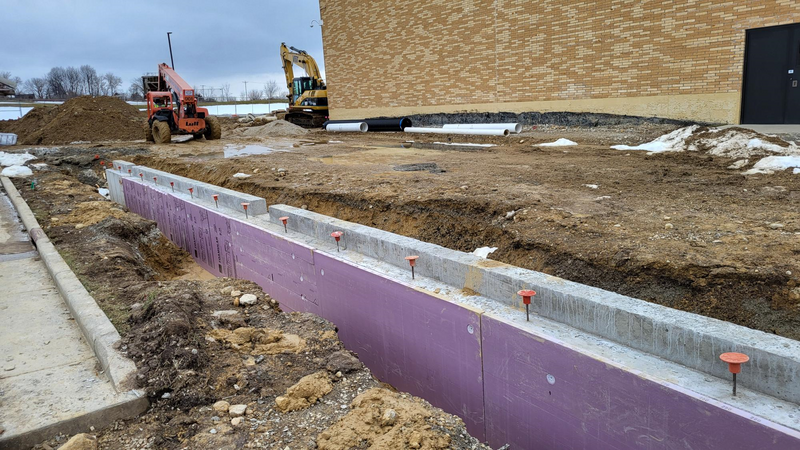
(664, 58)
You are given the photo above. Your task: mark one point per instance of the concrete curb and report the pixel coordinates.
(99, 332)
(81, 424)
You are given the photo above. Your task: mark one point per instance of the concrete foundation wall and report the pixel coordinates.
(532, 385)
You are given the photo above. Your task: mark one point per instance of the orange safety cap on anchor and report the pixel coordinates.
(734, 360)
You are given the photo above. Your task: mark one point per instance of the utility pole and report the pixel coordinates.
(245, 91)
(172, 61)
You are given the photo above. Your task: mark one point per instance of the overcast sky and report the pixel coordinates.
(214, 42)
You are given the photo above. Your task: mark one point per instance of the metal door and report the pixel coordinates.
(771, 92)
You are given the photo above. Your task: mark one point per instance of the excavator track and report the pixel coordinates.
(306, 120)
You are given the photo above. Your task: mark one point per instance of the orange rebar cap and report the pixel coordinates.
(412, 260)
(526, 296)
(734, 360)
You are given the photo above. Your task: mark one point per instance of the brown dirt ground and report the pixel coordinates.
(719, 258)
(193, 346)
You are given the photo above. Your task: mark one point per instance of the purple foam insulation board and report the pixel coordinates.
(414, 341)
(132, 195)
(198, 226)
(222, 244)
(283, 268)
(541, 393)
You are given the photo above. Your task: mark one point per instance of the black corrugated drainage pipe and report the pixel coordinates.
(398, 124)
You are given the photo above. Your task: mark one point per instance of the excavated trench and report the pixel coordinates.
(759, 300)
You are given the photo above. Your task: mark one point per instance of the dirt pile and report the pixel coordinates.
(277, 128)
(380, 418)
(87, 119)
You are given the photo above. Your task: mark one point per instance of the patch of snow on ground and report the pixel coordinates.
(592, 186)
(465, 144)
(14, 159)
(561, 142)
(671, 142)
(483, 252)
(241, 175)
(16, 172)
(771, 164)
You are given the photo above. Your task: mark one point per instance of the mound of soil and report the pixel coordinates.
(88, 119)
(277, 128)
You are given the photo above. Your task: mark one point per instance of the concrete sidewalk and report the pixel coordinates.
(50, 381)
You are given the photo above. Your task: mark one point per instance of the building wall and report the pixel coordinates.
(666, 58)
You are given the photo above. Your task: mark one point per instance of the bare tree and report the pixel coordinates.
(135, 90)
(91, 82)
(226, 92)
(5, 74)
(255, 94)
(271, 89)
(74, 82)
(111, 83)
(56, 83)
(37, 87)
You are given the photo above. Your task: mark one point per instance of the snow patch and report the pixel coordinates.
(671, 142)
(561, 142)
(241, 175)
(484, 252)
(14, 159)
(592, 186)
(16, 172)
(465, 144)
(771, 164)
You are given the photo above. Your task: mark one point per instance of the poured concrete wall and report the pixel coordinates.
(532, 385)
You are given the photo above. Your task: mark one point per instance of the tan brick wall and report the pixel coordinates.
(386, 56)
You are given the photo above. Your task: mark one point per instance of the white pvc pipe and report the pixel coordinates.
(511, 127)
(352, 126)
(469, 131)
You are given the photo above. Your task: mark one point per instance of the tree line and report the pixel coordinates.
(69, 82)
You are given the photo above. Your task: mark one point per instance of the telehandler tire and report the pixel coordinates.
(213, 129)
(161, 132)
(148, 132)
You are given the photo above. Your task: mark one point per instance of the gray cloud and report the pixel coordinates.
(214, 42)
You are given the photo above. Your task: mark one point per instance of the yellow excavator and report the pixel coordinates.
(308, 96)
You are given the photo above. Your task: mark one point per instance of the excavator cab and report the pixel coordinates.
(300, 85)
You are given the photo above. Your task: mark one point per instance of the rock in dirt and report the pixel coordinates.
(81, 441)
(248, 299)
(236, 293)
(305, 393)
(342, 361)
(221, 406)
(260, 341)
(237, 410)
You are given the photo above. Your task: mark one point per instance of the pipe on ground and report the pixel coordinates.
(511, 127)
(468, 131)
(397, 124)
(348, 127)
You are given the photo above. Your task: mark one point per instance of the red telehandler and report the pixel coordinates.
(172, 109)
